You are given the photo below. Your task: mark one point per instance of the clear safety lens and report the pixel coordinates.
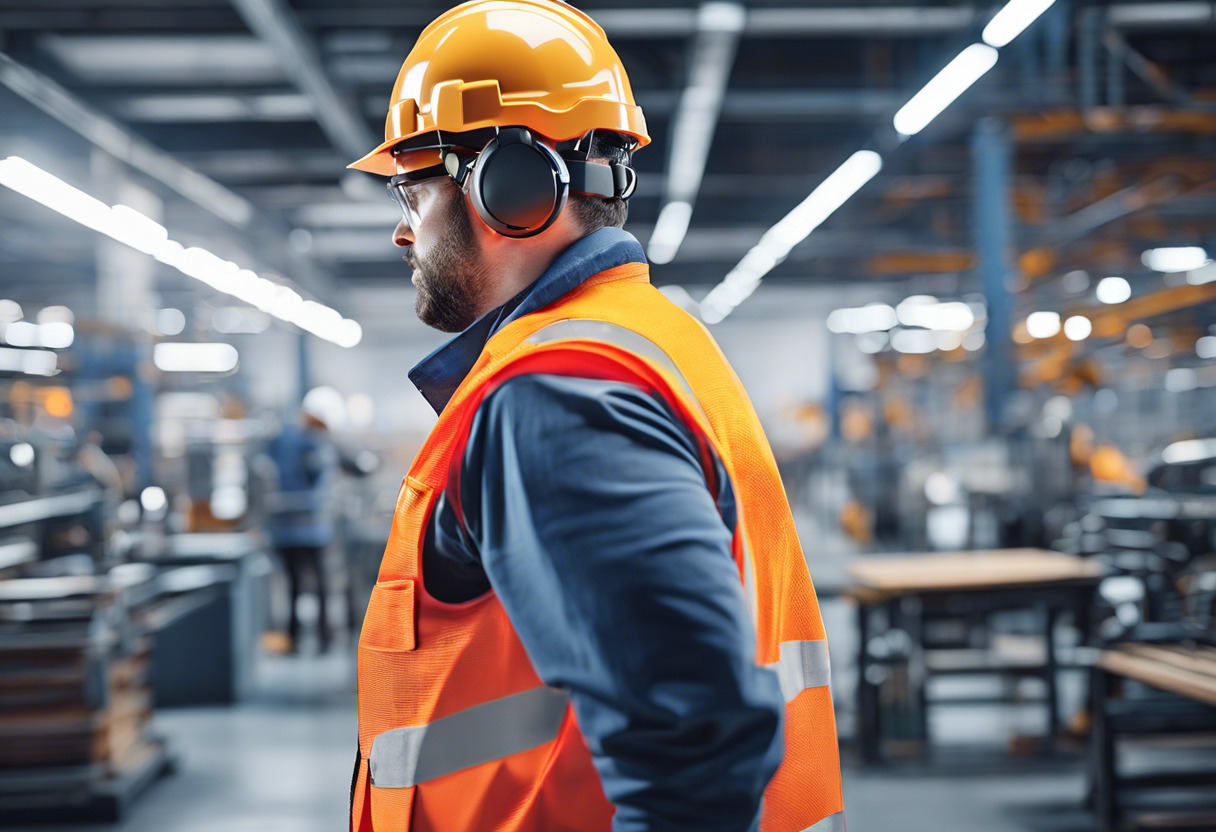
(405, 195)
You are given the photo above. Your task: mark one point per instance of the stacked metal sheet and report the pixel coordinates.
(75, 702)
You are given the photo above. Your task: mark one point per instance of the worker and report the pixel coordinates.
(592, 611)
(298, 511)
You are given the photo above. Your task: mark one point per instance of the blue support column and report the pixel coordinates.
(303, 368)
(143, 411)
(1089, 35)
(991, 154)
(1056, 27)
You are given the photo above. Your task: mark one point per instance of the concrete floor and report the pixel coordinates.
(282, 764)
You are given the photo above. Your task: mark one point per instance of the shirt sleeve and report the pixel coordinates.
(589, 510)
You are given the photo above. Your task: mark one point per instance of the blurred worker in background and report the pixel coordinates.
(592, 610)
(298, 513)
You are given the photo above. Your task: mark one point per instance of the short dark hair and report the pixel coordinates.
(596, 212)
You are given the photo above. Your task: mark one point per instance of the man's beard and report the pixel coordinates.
(452, 279)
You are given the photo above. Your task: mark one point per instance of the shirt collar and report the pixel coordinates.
(439, 374)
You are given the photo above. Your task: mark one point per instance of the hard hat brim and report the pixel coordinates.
(555, 125)
(379, 161)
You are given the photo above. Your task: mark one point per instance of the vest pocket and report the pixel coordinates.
(389, 625)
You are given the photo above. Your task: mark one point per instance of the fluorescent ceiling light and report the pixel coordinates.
(1205, 347)
(719, 25)
(32, 181)
(170, 321)
(10, 311)
(822, 202)
(22, 334)
(721, 17)
(1179, 259)
(175, 357)
(1180, 380)
(914, 341)
(55, 314)
(1012, 20)
(40, 363)
(954, 79)
(927, 312)
(30, 362)
(1043, 324)
(792, 229)
(669, 231)
(130, 227)
(1159, 14)
(874, 317)
(1189, 450)
(1078, 328)
(872, 343)
(948, 340)
(348, 333)
(136, 230)
(1203, 274)
(58, 335)
(1113, 290)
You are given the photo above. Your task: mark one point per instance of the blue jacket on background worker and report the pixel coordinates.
(298, 513)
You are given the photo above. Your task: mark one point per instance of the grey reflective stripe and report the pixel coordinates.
(588, 329)
(832, 823)
(405, 757)
(803, 664)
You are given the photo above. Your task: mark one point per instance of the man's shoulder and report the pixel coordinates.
(539, 393)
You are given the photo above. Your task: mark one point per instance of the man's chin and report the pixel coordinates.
(425, 309)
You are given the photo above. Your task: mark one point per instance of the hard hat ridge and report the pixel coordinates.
(540, 64)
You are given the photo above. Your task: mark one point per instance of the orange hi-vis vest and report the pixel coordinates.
(456, 731)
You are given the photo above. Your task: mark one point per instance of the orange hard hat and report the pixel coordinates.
(540, 64)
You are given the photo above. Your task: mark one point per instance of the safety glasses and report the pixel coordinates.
(404, 189)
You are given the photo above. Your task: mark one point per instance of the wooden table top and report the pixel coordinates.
(992, 569)
(1186, 670)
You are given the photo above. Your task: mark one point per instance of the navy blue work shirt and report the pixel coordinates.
(585, 508)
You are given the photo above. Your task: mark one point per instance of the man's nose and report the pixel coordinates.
(403, 235)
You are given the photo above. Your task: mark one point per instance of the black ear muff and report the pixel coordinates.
(518, 185)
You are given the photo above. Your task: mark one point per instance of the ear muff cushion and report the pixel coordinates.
(517, 186)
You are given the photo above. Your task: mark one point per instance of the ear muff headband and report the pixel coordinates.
(518, 185)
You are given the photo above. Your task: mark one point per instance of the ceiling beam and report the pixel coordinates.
(122, 144)
(650, 23)
(274, 22)
(719, 24)
(167, 18)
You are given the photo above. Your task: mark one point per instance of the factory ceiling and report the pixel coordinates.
(265, 101)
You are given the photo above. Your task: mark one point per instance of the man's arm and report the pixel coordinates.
(589, 508)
